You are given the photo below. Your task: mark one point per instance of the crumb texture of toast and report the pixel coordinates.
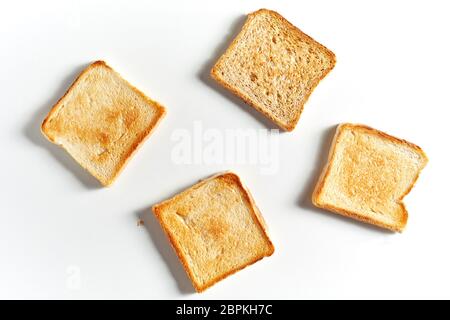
(215, 229)
(101, 121)
(367, 175)
(273, 66)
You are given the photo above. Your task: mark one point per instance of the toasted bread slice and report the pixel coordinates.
(273, 66)
(215, 228)
(367, 175)
(101, 121)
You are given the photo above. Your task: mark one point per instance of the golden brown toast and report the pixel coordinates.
(367, 175)
(101, 121)
(273, 66)
(215, 228)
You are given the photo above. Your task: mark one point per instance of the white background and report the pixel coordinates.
(57, 223)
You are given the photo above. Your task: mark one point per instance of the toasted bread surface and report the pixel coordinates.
(101, 121)
(215, 228)
(368, 174)
(273, 66)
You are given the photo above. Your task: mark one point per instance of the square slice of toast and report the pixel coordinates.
(101, 121)
(215, 228)
(273, 66)
(367, 175)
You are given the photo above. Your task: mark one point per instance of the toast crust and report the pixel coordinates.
(355, 215)
(230, 178)
(216, 76)
(143, 136)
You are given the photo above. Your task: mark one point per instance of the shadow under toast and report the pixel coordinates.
(162, 244)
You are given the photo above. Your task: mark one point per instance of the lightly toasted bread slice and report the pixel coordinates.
(273, 66)
(368, 174)
(101, 121)
(215, 228)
